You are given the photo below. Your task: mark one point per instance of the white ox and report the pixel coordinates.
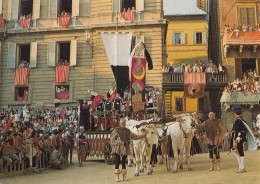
(143, 146)
(181, 133)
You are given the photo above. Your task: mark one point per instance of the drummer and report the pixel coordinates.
(81, 138)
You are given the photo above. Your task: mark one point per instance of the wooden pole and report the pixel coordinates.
(116, 20)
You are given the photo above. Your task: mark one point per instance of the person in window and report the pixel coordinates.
(66, 63)
(62, 89)
(123, 14)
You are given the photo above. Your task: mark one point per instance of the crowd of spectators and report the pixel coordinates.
(64, 14)
(24, 17)
(209, 67)
(45, 127)
(243, 28)
(128, 15)
(249, 82)
(23, 63)
(60, 89)
(62, 62)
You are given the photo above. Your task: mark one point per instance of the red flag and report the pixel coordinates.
(96, 101)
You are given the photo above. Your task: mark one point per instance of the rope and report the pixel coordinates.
(221, 150)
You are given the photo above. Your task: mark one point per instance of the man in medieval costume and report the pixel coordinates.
(120, 139)
(241, 132)
(214, 138)
(81, 138)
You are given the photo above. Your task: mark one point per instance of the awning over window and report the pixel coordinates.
(239, 98)
(241, 38)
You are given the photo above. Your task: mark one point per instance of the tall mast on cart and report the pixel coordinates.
(116, 20)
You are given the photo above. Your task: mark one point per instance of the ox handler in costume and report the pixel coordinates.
(120, 139)
(81, 137)
(214, 138)
(239, 132)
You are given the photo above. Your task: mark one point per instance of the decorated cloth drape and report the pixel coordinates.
(62, 95)
(21, 76)
(194, 84)
(2, 23)
(25, 23)
(138, 71)
(61, 74)
(64, 21)
(22, 98)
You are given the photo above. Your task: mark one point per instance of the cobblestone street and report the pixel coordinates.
(97, 172)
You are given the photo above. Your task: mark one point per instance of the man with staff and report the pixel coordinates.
(214, 132)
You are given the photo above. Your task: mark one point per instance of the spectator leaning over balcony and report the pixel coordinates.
(214, 69)
(199, 69)
(195, 67)
(186, 68)
(170, 70)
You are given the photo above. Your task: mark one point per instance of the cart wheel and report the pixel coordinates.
(109, 158)
(86, 154)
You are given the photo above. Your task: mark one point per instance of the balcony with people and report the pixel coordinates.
(173, 76)
(241, 41)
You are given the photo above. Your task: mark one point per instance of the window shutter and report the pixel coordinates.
(14, 9)
(116, 6)
(204, 37)
(73, 53)
(194, 38)
(51, 53)
(173, 38)
(250, 17)
(183, 41)
(75, 8)
(243, 16)
(36, 9)
(53, 8)
(33, 55)
(11, 55)
(139, 5)
(1, 6)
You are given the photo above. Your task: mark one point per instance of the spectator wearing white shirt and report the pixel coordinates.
(194, 68)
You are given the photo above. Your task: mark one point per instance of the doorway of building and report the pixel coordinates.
(128, 4)
(248, 64)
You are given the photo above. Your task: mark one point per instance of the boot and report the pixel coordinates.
(242, 169)
(239, 162)
(117, 172)
(218, 162)
(124, 172)
(211, 162)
